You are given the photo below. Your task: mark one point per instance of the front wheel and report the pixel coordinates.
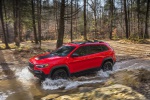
(59, 74)
(107, 66)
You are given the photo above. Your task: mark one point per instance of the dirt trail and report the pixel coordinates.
(129, 56)
(130, 51)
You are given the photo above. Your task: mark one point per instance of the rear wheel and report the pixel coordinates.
(59, 74)
(107, 66)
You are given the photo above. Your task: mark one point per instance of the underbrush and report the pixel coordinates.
(134, 41)
(22, 54)
(11, 46)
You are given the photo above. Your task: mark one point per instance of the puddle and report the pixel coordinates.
(3, 95)
(66, 84)
(27, 78)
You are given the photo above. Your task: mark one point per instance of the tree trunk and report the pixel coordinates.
(121, 22)
(100, 18)
(39, 20)
(131, 17)
(146, 21)
(6, 23)
(85, 23)
(33, 21)
(128, 14)
(56, 16)
(15, 11)
(19, 21)
(138, 17)
(76, 17)
(71, 38)
(61, 25)
(95, 18)
(2, 21)
(111, 17)
(126, 19)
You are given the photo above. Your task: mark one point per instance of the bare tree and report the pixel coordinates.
(138, 17)
(85, 21)
(126, 19)
(19, 22)
(71, 21)
(39, 20)
(61, 25)
(16, 21)
(111, 18)
(6, 23)
(2, 21)
(146, 20)
(33, 21)
(93, 6)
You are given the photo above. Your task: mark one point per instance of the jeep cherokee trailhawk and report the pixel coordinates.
(73, 58)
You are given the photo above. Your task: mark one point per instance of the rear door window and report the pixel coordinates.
(82, 51)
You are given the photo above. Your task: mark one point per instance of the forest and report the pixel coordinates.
(31, 31)
(39, 20)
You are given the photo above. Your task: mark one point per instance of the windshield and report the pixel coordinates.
(63, 51)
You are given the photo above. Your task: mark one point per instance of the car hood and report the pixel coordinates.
(44, 58)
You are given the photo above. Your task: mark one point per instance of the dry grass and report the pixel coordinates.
(134, 41)
(130, 78)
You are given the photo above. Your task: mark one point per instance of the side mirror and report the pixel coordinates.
(75, 55)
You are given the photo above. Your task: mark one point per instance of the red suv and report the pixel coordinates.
(73, 58)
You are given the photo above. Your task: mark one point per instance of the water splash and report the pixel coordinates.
(74, 84)
(24, 75)
(71, 84)
(102, 74)
(49, 84)
(3, 96)
(3, 77)
(67, 84)
(131, 65)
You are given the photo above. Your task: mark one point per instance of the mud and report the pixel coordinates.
(17, 83)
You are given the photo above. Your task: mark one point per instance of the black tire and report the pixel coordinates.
(59, 74)
(107, 66)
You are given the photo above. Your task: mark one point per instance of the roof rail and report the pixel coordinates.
(95, 40)
(88, 41)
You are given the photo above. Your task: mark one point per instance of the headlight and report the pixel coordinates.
(42, 66)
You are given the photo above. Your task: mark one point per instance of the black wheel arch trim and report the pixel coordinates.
(108, 58)
(59, 67)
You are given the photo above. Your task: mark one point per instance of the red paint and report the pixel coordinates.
(75, 64)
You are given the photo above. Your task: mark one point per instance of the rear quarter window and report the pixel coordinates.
(98, 48)
(104, 48)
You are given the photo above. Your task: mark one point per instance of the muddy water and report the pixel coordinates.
(20, 84)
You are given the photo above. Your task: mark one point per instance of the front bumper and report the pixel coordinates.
(37, 73)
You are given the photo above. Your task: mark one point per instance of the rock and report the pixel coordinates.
(114, 92)
(50, 97)
(133, 78)
(85, 89)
